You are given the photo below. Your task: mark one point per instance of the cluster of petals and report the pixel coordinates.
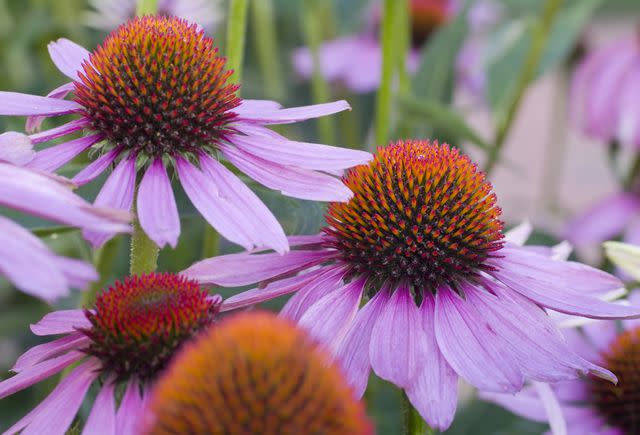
(297, 169)
(495, 336)
(48, 197)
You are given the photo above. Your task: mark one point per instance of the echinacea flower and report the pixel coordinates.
(107, 15)
(618, 213)
(589, 405)
(24, 259)
(155, 96)
(605, 88)
(446, 295)
(254, 374)
(124, 341)
(356, 60)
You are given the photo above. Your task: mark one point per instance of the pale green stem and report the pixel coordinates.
(389, 61)
(147, 7)
(414, 424)
(266, 48)
(540, 35)
(403, 37)
(236, 31)
(313, 32)
(144, 252)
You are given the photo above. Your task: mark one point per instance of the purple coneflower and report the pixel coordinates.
(356, 60)
(24, 259)
(254, 374)
(126, 340)
(155, 95)
(446, 295)
(107, 15)
(604, 93)
(590, 405)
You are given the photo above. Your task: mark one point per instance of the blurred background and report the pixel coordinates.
(548, 172)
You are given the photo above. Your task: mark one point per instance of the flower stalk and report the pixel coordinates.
(147, 7)
(414, 424)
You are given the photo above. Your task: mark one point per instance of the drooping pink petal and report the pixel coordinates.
(434, 393)
(628, 128)
(230, 206)
(38, 372)
(117, 192)
(56, 132)
(56, 413)
(552, 408)
(398, 346)
(244, 268)
(329, 319)
(102, 419)
(16, 148)
(50, 349)
(78, 273)
(95, 168)
(34, 122)
(130, 410)
(294, 114)
(300, 154)
(156, 206)
(601, 333)
(563, 286)
(306, 239)
(275, 289)
(53, 158)
(61, 322)
(524, 403)
(604, 220)
(634, 300)
(472, 347)
(290, 181)
(304, 298)
(19, 251)
(16, 104)
(353, 352)
(68, 56)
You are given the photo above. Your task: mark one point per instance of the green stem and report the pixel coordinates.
(313, 32)
(236, 30)
(540, 34)
(413, 422)
(147, 7)
(634, 172)
(403, 44)
(144, 252)
(389, 61)
(266, 48)
(210, 242)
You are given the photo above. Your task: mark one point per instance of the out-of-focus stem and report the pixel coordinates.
(389, 59)
(236, 31)
(266, 47)
(147, 7)
(414, 424)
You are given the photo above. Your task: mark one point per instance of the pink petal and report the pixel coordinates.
(601, 333)
(552, 408)
(300, 154)
(563, 286)
(117, 192)
(604, 220)
(157, 209)
(56, 413)
(35, 122)
(53, 158)
(329, 319)
(38, 372)
(523, 404)
(127, 417)
(68, 56)
(628, 131)
(290, 181)
(95, 168)
(434, 393)
(61, 322)
(56, 132)
(16, 148)
(398, 346)
(353, 352)
(48, 350)
(300, 302)
(295, 114)
(257, 106)
(244, 268)
(519, 234)
(78, 273)
(472, 347)
(15, 104)
(102, 419)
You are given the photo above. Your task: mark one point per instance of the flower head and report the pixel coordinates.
(24, 259)
(447, 295)
(110, 14)
(155, 96)
(129, 336)
(255, 374)
(603, 93)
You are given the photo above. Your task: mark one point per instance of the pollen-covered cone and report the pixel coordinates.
(254, 374)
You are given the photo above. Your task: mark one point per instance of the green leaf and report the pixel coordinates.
(442, 117)
(53, 230)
